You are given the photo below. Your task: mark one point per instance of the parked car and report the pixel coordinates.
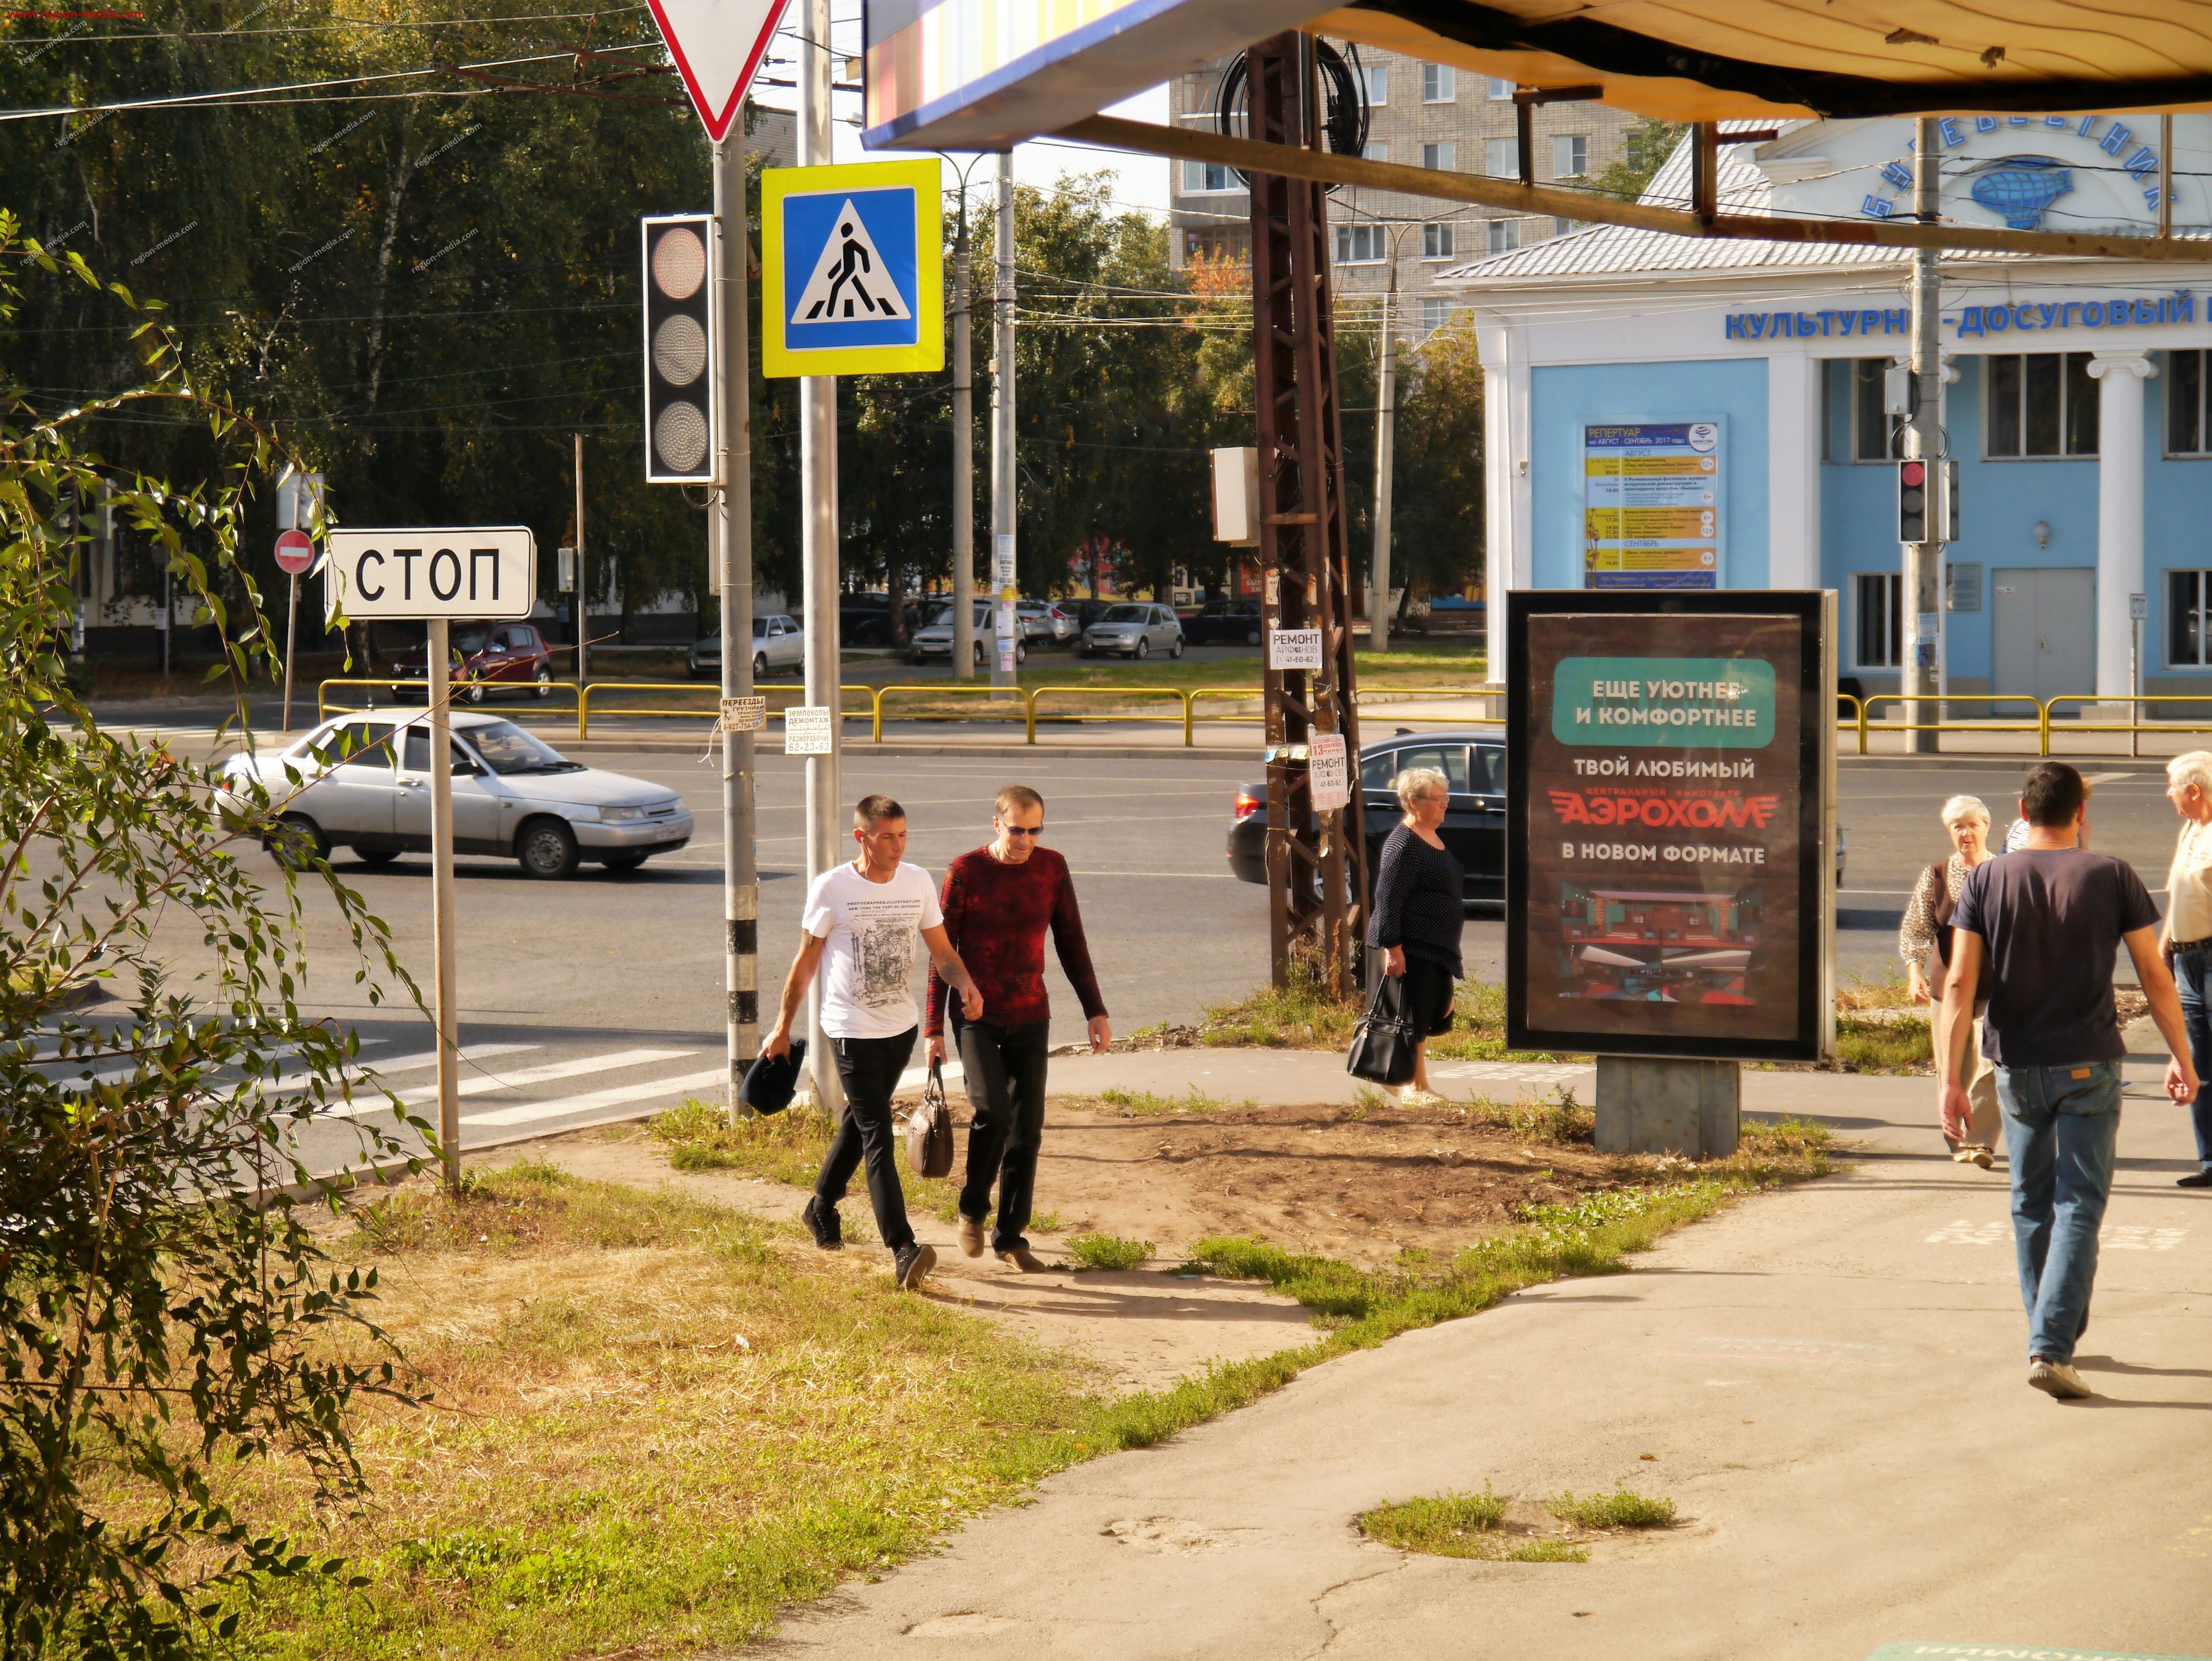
(514, 796)
(1135, 630)
(1086, 611)
(865, 618)
(778, 643)
(1043, 619)
(1473, 765)
(934, 638)
(485, 657)
(1224, 622)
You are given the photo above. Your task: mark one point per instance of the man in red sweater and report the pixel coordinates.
(998, 903)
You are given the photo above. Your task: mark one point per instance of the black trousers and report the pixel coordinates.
(869, 1069)
(1005, 1070)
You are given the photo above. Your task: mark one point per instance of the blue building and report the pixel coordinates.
(1665, 411)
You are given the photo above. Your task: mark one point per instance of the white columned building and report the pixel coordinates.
(2119, 376)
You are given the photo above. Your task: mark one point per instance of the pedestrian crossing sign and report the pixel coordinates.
(852, 269)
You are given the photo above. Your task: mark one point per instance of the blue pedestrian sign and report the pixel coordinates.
(853, 274)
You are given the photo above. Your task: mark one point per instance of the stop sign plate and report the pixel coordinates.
(296, 552)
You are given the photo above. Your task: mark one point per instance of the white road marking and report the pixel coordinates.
(2107, 778)
(484, 1083)
(1511, 1072)
(429, 1057)
(1963, 1233)
(2136, 1237)
(531, 1112)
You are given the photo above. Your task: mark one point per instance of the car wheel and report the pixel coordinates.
(376, 855)
(1144, 646)
(297, 842)
(760, 666)
(1251, 637)
(547, 849)
(476, 693)
(622, 861)
(979, 654)
(1175, 650)
(543, 681)
(1021, 653)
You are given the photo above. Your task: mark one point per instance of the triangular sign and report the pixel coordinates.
(850, 283)
(717, 46)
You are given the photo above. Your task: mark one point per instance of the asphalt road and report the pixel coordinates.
(598, 997)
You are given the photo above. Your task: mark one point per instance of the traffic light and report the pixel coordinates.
(683, 413)
(1913, 501)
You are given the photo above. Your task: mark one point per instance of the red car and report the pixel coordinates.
(487, 658)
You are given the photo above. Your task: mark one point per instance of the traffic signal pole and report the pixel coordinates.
(733, 552)
(1924, 439)
(963, 454)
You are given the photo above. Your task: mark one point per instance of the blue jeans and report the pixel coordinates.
(2063, 1124)
(2192, 976)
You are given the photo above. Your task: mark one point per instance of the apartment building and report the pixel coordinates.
(1426, 115)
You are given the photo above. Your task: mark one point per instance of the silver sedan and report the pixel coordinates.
(363, 781)
(1135, 631)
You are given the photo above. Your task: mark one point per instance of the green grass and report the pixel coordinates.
(1557, 1117)
(1618, 1510)
(1899, 1044)
(1147, 1103)
(1301, 1016)
(1108, 1251)
(1450, 1525)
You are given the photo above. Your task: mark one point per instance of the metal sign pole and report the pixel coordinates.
(964, 458)
(1004, 474)
(439, 694)
(581, 620)
(291, 639)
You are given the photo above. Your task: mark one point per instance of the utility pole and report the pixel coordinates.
(444, 937)
(1386, 438)
(1005, 628)
(964, 458)
(1924, 561)
(582, 615)
(733, 552)
(818, 468)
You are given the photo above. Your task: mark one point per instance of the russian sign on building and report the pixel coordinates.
(1651, 505)
(1669, 886)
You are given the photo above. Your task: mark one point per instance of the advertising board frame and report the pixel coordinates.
(1814, 614)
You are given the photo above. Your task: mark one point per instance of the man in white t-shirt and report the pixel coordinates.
(860, 924)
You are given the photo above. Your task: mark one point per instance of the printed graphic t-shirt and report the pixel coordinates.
(867, 965)
(2051, 923)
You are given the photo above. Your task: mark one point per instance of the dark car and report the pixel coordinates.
(1224, 622)
(487, 658)
(1084, 611)
(1473, 765)
(865, 619)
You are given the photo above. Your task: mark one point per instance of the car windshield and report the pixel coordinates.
(1124, 614)
(506, 748)
(472, 640)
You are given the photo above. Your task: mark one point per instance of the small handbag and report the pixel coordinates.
(1382, 1047)
(929, 1129)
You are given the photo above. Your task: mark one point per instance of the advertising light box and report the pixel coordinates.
(1669, 857)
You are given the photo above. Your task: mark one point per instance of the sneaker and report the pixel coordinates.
(1409, 1097)
(1982, 1157)
(971, 1237)
(912, 1263)
(2195, 1179)
(1025, 1260)
(2056, 1378)
(822, 1222)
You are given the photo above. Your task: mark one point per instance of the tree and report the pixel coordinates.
(1643, 151)
(1435, 509)
(164, 1308)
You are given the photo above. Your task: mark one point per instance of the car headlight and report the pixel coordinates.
(620, 815)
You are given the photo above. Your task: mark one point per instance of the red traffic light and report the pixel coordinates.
(1911, 473)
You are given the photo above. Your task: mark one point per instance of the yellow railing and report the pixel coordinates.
(1010, 703)
(324, 708)
(604, 689)
(1182, 716)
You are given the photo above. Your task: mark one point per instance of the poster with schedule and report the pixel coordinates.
(1651, 504)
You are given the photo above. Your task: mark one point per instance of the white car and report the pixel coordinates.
(934, 638)
(365, 784)
(1135, 631)
(778, 643)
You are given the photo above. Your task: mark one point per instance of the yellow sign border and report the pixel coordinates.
(779, 360)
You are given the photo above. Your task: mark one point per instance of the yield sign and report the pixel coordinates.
(717, 45)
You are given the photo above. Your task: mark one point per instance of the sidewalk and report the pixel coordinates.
(1829, 1380)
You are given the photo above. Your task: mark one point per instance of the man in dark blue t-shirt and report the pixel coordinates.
(2049, 920)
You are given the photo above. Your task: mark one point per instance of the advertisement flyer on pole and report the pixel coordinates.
(1651, 504)
(1669, 886)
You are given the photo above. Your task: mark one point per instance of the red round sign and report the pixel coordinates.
(296, 551)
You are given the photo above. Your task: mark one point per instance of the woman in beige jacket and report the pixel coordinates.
(1924, 943)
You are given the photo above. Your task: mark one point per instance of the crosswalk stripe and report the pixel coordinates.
(603, 1063)
(429, 1057)
(531, 1112)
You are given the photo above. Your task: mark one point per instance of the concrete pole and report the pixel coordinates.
(1386, 439)
(1924, 561)
(733, 560)
(818, 468)
(439, 694)
(2119, 375)
(964, 456)
(1005, 630)
(582, 615)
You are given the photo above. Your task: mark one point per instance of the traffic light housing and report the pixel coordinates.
(682, 336)
(1912, 492)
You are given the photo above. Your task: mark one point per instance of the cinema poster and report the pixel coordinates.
(1669, 852)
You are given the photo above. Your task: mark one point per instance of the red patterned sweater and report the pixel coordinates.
(995, 916)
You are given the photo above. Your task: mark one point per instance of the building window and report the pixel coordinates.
(1436, 241)
(1569, 154)
(1562, 227)
(2188, 637)
(1377, 151)
(1500, 90)
(2187, 433)
(1874, 431)
(2041, 403)
(1504, 236)
(1501, 157)
(1360, 245)
(1208, 178)
(1438, 155)
(1881, 639)
(1433, 314)
(1378, 84)
(1437, 83)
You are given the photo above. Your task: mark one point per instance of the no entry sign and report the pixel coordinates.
(479, 571)
(296, 552)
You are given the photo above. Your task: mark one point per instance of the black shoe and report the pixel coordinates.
(822, 1221)
(2194, 1180)
(912, 1263)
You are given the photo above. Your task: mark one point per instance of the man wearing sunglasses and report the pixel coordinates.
(998, 903)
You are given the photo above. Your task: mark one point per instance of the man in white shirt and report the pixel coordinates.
(860, 923)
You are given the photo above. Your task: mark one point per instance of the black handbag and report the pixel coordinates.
(1382, 1047)
(929, 1131)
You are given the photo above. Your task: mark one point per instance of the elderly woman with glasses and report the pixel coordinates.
(1924, 943)
(2185, 936)
(1420, 907)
